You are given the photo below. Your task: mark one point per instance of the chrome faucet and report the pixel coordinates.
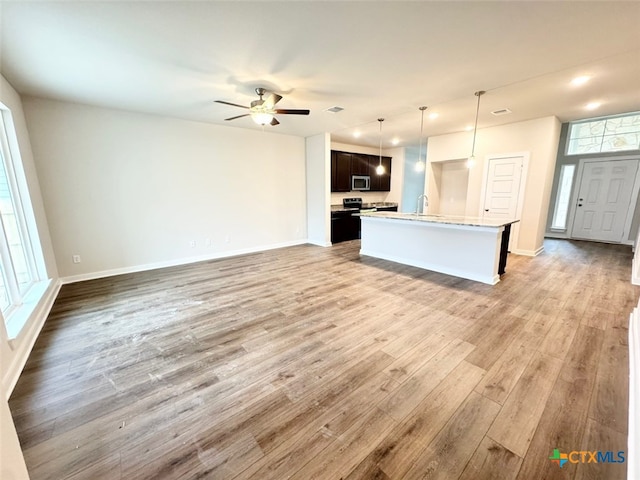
(425, 203)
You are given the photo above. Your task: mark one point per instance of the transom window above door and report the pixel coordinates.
(604, 134)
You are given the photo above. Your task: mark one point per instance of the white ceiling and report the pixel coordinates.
(373, 58)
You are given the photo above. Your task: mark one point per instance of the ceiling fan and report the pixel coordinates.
(262, 111)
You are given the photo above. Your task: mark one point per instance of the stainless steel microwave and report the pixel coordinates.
(360, 182)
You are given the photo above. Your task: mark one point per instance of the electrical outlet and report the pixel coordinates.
(76, 259)
(192, 243)
(207, 242)
(227, 239)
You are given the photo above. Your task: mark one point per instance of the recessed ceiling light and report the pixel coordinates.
(335, 109)
(395, 141)
(468, 128)
(581, 80)
(592, 105)
(434, 115)
(356, 134)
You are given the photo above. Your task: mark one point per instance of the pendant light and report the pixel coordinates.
(420, 165)
(380, 167)
(471, 161)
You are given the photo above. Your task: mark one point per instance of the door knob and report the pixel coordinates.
(579, 204)
(486, 209)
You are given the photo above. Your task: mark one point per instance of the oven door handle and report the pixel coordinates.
(365, 210)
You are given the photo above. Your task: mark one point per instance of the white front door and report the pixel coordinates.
(604, 200)
(502, 191)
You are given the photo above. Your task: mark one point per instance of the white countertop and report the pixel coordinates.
(442, 219)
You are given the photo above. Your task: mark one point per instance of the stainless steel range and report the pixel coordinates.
(352, 203)
(345, 218)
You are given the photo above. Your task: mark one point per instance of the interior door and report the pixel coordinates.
(502, 191)
(604, 200)
(503, 187)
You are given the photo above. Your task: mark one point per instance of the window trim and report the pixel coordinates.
(23, 302)
(18, 201)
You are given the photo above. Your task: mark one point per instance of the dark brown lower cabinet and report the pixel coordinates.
(344, 226)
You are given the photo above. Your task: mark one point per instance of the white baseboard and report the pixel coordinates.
(321, 244)
(560, 235)
(23, 344)
(528, 253)
(633, 441)
(180, 261)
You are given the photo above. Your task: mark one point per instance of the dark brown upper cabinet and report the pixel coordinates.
(380, 183)
(359, 164)
(340, 171)
(346, 164)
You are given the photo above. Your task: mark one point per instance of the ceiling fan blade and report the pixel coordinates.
(238, 116)
(274, 122)
(286, 111)
(272, 100)
(229, 103)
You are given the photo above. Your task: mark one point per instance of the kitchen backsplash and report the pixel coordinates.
(367, 197)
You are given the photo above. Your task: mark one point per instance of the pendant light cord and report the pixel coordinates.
(422, 109)
(380, 160)
(475, 127)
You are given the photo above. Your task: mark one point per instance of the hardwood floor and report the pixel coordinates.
(314, 363)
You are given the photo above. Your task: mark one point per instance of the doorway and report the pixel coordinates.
(503, 192)
(607, 192)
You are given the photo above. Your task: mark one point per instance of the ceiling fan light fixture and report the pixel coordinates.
(261, 118)
(263, 111)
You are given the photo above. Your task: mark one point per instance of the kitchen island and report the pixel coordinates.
(469, 247)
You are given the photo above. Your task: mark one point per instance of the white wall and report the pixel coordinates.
(318, 161)
(538, 137)
(633, 465)
(454, 182)
(129, 191)
(12, 466)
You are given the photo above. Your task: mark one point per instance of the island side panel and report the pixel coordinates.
(470, 252)
(504, 249)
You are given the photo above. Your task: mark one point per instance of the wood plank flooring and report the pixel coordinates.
(314, 363)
